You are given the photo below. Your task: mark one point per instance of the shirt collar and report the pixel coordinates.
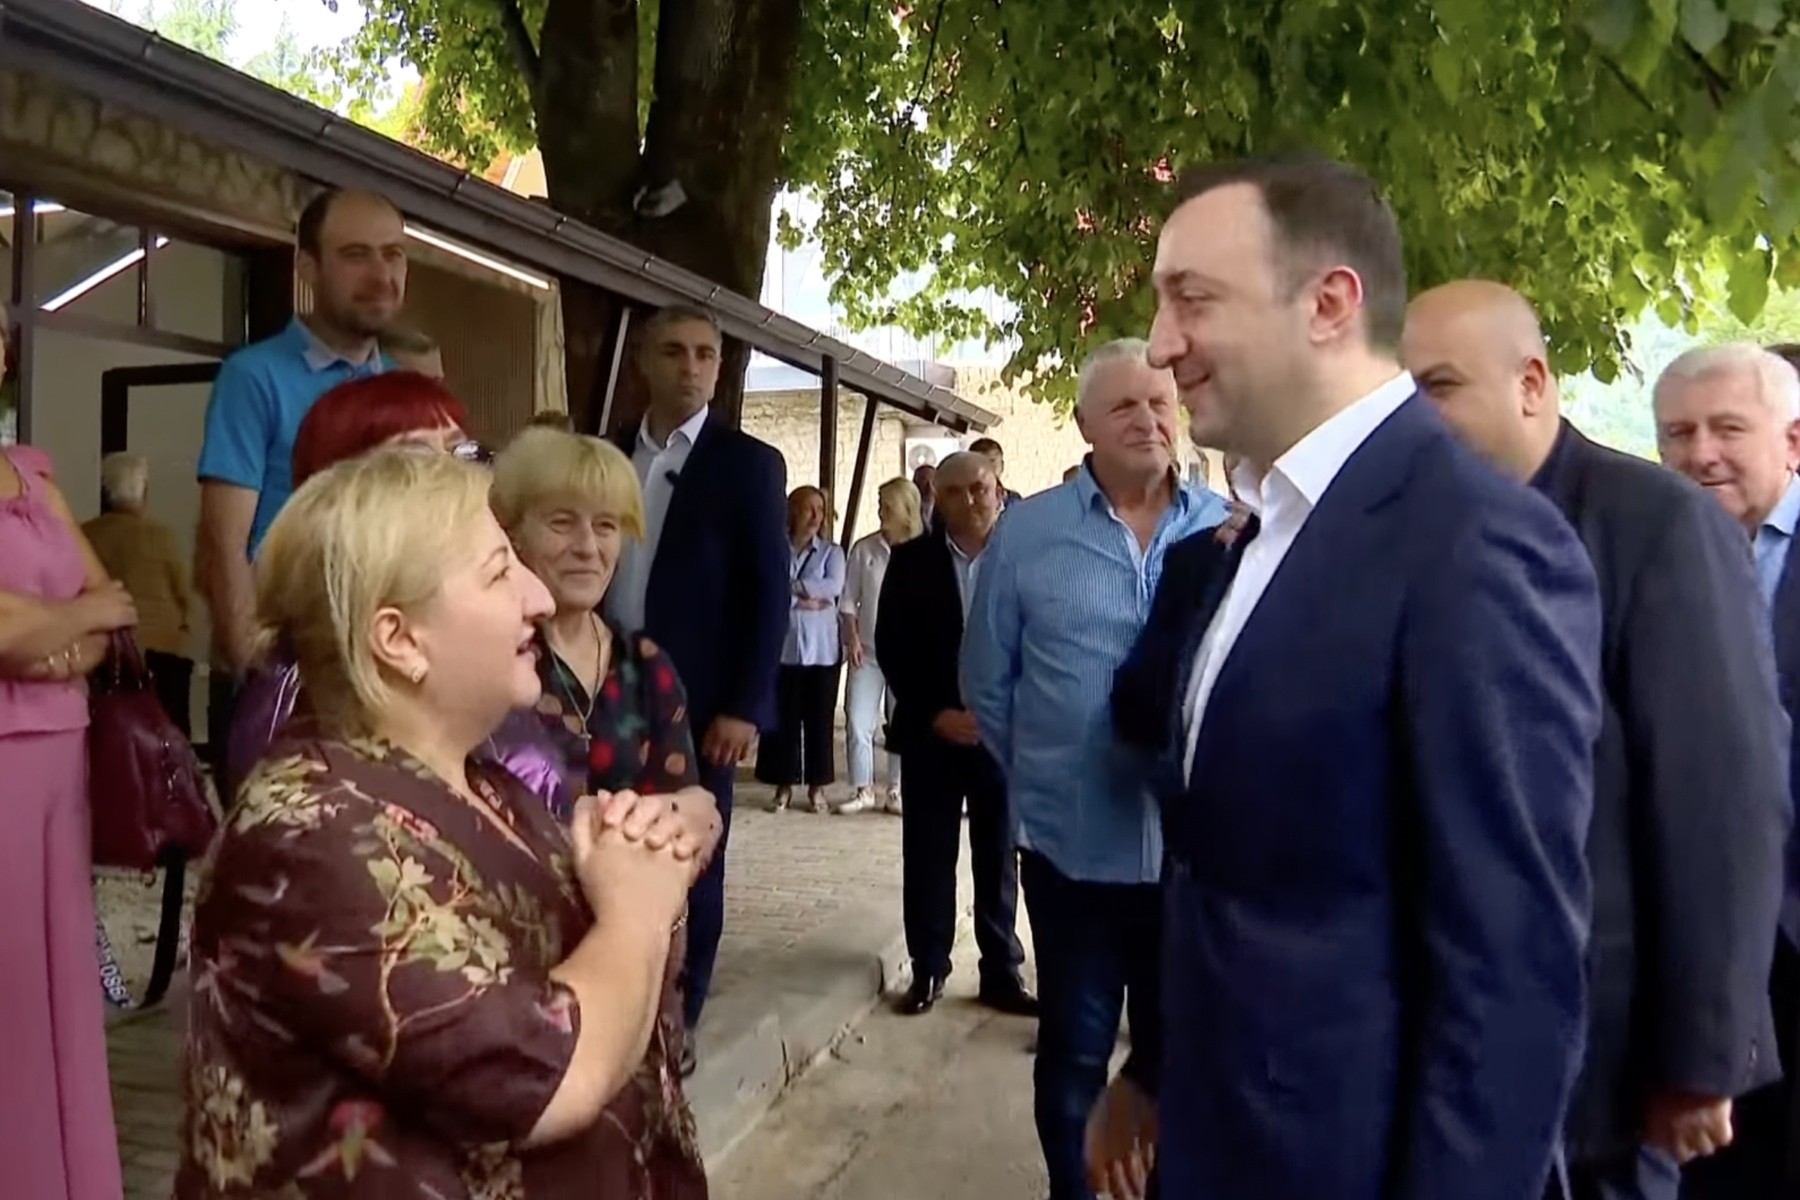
(958, 551)
(1087, 489)
(1786, 514)
(1314, 461)
(688, 430)
(320, 357)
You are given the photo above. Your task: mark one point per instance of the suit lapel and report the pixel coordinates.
(946, 587)
(1343, 534)
(1785, 616)
(1217, 571)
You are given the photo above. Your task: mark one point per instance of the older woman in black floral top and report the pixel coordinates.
(410, 982)
(612, 702)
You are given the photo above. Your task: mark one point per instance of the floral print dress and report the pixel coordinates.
(372, 1012)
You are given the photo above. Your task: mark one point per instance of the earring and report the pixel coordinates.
(418, 674)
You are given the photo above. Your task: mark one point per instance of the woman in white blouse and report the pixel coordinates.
(866, 698)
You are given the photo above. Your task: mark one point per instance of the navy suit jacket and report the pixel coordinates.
(717, 600)
(1691, 805)
(1786, 621)
(1377, 902)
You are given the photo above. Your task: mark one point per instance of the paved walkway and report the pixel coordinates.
(811, 938)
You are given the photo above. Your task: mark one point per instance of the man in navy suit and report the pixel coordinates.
(1376, 704)
(1728, 417)
(1691, 807)
(708, 582)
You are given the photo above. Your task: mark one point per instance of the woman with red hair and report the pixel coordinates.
(353, 418)
(393, 408)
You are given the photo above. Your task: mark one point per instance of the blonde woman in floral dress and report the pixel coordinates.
(409, 982)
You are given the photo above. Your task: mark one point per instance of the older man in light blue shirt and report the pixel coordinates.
(1064, 588)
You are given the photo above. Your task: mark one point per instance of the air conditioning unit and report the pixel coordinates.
(928, 451)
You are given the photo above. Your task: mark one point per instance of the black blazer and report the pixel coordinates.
(1691, 803)
(717, 600)
(918, 638)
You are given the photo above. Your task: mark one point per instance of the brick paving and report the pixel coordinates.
(788, 875)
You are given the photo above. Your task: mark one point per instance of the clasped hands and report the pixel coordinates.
(654, 822)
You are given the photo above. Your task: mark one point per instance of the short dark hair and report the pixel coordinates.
(680, 314)
(1324, 209)
(986, 445)
(309, 231)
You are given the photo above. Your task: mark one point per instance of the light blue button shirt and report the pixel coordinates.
(968, 572)
(1774, 539)
(1063, 594)
(816, 572)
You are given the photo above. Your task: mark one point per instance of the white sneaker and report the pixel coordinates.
(862, 802)
(893, 802)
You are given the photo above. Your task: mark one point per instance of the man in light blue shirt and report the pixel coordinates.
(350, 251)
(1064, 589)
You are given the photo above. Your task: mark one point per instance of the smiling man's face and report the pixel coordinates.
(1720, 431)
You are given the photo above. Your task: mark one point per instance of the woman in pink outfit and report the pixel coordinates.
(56, 606)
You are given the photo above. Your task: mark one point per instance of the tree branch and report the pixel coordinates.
(512, 20)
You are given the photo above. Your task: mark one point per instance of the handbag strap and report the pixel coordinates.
(168, 945)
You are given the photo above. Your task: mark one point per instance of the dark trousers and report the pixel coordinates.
(706, 899)
(1646, 1175)
(1760, 1163)
(173, 677)
(221, 705)
(1099, 948)
(805, 698)
(937, 779)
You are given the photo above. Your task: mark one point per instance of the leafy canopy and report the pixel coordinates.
(1607, 156)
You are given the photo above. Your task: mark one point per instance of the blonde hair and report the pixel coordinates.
(542, 466)
(904, 495)
(372, 532)
(798, 497)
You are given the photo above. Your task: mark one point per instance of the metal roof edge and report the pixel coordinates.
(115, 60)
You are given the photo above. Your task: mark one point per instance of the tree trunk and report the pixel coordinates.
(724, 80)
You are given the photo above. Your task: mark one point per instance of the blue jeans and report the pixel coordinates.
(1098, 948)
(867, 703)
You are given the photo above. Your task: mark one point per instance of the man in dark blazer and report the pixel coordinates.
(1728, 417)
(1376, 708)
(708, 582)
(1691, 807)
(924, 602)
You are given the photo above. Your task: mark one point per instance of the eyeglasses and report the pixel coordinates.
(472, 451)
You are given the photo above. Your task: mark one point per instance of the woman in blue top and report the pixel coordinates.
(799, 748)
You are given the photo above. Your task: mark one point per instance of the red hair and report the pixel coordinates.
(360, 414)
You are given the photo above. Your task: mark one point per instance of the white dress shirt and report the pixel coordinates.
(658, 465)
(1282, 500)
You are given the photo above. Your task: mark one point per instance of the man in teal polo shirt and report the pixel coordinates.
(351, 254)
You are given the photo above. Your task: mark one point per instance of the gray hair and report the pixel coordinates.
(1134, 349)
(124, 480)
(1777, 382)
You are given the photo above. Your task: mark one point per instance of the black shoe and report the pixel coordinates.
(686, 1063)
(924, 994)
(1008, 996)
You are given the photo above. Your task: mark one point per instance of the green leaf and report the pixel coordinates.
(1703, 24)
(1613, 23)
(1749, 285)
(1447, 72)
(1764, 14)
